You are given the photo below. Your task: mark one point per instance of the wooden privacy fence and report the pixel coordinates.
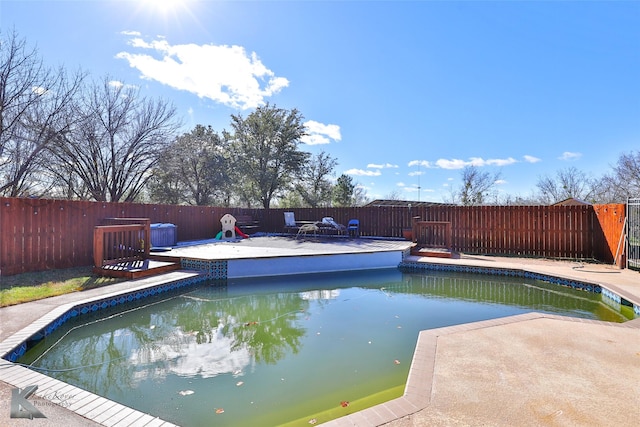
(40, 234)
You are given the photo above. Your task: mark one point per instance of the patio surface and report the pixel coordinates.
(534, 369)
(279, 246)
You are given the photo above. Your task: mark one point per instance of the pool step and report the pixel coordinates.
(137, 269)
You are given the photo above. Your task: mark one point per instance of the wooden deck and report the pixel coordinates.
(432, 252)
(137, 269)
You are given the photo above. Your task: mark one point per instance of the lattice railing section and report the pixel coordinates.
(113, 244)
(432, 234)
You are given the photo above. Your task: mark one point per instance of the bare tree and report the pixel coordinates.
(194, 170)
(517, 200)
(314, 186)
(117, 143)
(35, 107)
(624, 182)
(567, 183)
(360, 196)
(394, 195)
(477, 187)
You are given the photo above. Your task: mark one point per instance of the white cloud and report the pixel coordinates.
(500, 162)
(381, 166)
(530, 159)
(424, 163)
(332, 131)
(568, 155)
(361, 172)
(501, 181)
(319, 133)
(473, 161)
(225, 74)
(115, 83)
(451, 164)
(39, 90)
(416, 173)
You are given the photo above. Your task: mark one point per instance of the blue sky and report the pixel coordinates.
(402, 93)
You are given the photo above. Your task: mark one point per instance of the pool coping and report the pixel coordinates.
(417, 390)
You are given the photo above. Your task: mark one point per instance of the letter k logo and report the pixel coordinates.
(21, 407)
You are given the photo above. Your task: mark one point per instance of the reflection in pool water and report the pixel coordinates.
(274, 350)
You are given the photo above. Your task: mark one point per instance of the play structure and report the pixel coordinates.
(229, 229)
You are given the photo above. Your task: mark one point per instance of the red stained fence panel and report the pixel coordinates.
(40, 234)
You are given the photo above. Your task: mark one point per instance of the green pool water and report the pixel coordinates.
(285, 350)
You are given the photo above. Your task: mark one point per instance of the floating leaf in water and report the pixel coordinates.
(397, 362)
(219, 411)
(344, 403)
(185, 392)
(239, 383)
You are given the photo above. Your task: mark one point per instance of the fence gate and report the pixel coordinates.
(633, 234)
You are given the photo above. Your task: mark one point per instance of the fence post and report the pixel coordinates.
(98, 247)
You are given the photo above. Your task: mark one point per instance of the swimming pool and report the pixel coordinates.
(276, 350)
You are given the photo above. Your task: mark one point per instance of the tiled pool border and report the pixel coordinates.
(412, 401)
(212, 269)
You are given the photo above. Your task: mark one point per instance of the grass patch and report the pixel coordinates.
(44, 284)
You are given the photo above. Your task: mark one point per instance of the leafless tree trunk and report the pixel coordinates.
(314, 186)
(568, 183)
(35, 105)
(627, 175)
(117, 142)
(194, 170)
(477, 186)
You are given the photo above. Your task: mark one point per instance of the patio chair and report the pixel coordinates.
(290, 222)
(353, 228)
(331, 222)
(308, 228)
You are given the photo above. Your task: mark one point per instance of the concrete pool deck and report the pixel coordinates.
(533, 369)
